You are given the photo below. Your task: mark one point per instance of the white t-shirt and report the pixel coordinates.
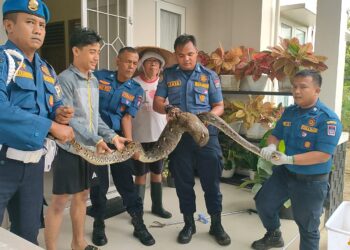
(148, 124)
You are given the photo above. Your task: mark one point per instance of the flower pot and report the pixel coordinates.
(236, 126)
(248, 84)
(285, 85)
(229, 82)
(227, 173)
(257, 131)
(229, 168)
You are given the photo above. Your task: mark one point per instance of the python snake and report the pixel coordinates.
(179, 123)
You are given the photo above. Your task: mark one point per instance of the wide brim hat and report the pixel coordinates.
(168, 56)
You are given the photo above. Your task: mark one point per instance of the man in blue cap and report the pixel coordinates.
(30, 109)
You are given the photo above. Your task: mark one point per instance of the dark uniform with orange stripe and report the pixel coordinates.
(27, 106)
(195, 92)
(116, 100)
(303, 130)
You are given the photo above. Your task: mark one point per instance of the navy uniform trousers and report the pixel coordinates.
(22, 183)
(123, 180)
(307, 194)
(208, 161)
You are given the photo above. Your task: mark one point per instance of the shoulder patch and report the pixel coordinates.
(331, 130)
(217, 82)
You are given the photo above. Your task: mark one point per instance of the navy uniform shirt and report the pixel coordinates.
(116, 98)
(193, 92)
(314, 129)
(28, 104)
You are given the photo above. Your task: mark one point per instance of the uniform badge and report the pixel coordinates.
(331, 122)
(312, 122)
(51, 101)
(303, 134)
(203, 78)
(122, 108)
(139, 101)
(331, 129)
(58, 91)
(45, 70)
(307, 144)
(202, 98)
(217, 83)
(33, 5)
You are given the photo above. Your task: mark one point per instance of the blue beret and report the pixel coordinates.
(34, 7)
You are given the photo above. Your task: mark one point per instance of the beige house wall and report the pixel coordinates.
(144, 20)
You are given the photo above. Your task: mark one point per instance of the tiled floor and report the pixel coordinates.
(243, 228)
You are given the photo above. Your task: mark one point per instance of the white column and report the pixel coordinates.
(330, 41)
(3, 37)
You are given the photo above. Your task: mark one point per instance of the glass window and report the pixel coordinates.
(300, 34)
(286, 31)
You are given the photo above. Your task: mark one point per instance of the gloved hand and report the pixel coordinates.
(267, 151)
(278, 158)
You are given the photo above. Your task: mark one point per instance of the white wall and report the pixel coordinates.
(237, 22)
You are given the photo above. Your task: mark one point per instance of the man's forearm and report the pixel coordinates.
(127, 126)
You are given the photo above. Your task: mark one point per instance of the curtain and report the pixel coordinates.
(170, 27)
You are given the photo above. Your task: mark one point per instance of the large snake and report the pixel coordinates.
(179, 123)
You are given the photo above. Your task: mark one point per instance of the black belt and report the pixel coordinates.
(311, 177)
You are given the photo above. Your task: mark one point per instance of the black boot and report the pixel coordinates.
(218, 231)
(157, 204)
(188, 230)
(270, 240)
(98, 234)
(141, 190)
(140, 230)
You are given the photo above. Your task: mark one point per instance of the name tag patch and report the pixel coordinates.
(25, 74)
(309, 129)
(174, 84)
(104, 88)
(287, 124)
(128, 96)
(331, 129)
(201, 84)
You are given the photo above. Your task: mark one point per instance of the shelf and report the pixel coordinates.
(256, 92)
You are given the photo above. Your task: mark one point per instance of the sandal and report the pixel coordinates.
(90, 247)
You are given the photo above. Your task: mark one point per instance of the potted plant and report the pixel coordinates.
(255, 72)
(224, 64)
(254, 111)
(263, 172)
(228, 157)
(167, 179)
(290, 56)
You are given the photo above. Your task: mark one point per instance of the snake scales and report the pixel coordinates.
(179, 123)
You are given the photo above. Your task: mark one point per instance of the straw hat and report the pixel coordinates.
(169, 57)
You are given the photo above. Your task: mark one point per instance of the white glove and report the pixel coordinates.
(266, 152)
(278, 158)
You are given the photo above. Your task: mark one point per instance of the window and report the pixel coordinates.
(170, 24)
(111, 19)
(289, 30)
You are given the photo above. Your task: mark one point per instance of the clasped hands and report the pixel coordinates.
(271, 154)
(118, 141)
